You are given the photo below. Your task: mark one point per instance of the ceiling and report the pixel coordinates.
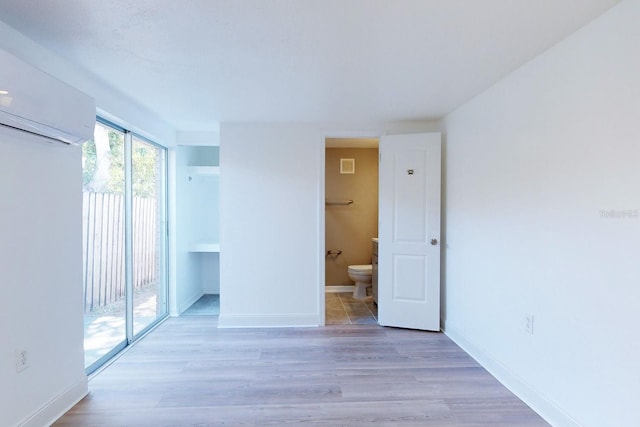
(197, 63)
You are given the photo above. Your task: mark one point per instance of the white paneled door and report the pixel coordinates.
(409, 232)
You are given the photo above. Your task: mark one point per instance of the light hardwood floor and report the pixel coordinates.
(189, 373)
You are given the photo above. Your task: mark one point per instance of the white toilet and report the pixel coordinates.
(361, 274)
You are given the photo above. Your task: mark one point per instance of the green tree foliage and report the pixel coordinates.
(146, 169)
(145, 160)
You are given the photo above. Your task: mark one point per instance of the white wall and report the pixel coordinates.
(269, 225)
(272, 219)
(210, 273)
(41, 284)
(187, 269)
(530, 166)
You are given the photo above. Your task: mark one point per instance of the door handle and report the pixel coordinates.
(434, 242)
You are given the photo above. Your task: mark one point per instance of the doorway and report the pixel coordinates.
(408, 270)
(351, 222)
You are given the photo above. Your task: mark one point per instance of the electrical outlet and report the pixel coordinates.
(22, 360)
(528, 323)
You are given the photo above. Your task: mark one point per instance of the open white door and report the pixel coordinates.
(409, 232)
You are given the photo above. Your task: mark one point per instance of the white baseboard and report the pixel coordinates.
(59, 405)
(268, 320)
(338, 288)
(548, 410)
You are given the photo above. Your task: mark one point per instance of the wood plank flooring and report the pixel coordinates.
(189, 373)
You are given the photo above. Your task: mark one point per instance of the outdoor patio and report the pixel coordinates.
(105, 327)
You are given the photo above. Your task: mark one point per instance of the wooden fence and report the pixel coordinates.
(104, 247)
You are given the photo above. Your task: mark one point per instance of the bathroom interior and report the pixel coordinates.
(351, 230)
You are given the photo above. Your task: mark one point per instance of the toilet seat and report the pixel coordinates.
(361, 269)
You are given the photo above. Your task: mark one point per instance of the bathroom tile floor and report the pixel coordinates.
(342, 309)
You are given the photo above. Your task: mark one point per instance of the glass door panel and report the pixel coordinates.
(148, 225)
(103, 229)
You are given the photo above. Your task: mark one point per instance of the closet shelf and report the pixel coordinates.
(203, 170)
(204, 247)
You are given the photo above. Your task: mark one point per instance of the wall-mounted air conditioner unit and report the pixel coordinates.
(35, 102)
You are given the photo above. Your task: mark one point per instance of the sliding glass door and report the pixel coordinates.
(149, 231)
(124, 240)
